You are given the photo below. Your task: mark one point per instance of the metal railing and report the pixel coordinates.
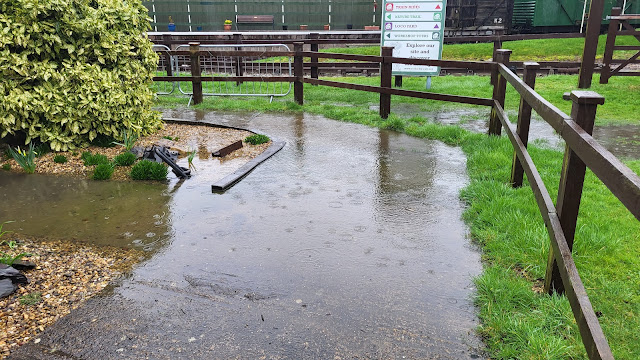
(246, 61)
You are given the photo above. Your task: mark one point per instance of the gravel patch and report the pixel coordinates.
(66, 274)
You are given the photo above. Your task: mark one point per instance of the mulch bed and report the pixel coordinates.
(180, 137)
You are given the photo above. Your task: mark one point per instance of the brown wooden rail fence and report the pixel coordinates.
(616, 20)
(314, 41)
(581, 151)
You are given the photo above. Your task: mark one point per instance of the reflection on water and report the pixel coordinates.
(104, 213)
(348, 243)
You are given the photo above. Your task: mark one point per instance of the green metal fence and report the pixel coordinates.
(189, 15)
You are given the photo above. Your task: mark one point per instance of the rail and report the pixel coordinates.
(581, 152)
(614, 31)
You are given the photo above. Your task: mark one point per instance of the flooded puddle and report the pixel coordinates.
(622, 141)
(348, 243)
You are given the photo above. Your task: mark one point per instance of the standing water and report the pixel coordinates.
(348, 243)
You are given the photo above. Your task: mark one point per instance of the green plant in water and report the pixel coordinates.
(6, 167)
(190, 158)
(31, 299)
(257, 139)
(149, 170)
(60, 159)
(129, 139)
(103, 172)
(26, 159)
(125, 159)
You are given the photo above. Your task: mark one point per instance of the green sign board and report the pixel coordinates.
(415, 29)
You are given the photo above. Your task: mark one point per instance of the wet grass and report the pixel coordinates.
(621, 103)
(523, 50)
(518, 321)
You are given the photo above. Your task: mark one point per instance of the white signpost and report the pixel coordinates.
(415, 29)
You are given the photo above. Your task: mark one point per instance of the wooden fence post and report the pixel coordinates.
(524, 120)
(398, 81)
(499, 91)
(583, 112)
(605, 74)
(497, 45)
(385, 81)
(298, 72)
(196, 84)
(314, 59)
(166, 40)
(590, 44)
(237, 39)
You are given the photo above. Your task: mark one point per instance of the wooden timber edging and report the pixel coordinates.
(228, 181)
(582, 152)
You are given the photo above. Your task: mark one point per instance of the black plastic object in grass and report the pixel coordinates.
(125, 159)
(149, 170)
(103, 172)
(257, 139)
(59, 159)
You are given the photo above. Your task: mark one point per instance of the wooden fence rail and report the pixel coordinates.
(581, 152)
(616, 20)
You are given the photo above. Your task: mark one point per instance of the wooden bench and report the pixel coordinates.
(255, 19)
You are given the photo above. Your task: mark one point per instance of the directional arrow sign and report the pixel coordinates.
(414, 28)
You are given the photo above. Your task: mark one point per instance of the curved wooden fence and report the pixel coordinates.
(582, 152)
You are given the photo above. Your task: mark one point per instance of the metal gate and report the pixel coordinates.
(214, 64)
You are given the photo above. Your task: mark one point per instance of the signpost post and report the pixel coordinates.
(415, 29)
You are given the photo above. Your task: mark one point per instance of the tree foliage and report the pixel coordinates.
(73, 69)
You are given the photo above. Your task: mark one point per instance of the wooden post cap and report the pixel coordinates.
(587, 97)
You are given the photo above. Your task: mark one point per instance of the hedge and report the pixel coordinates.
(73, 69)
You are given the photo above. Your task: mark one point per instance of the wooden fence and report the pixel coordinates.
(582, 152)
(616, 20)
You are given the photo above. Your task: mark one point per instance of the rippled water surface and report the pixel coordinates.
(348, 243)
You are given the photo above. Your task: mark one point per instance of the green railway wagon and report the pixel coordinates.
(561, 15)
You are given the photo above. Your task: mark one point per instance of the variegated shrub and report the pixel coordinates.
(73, 69)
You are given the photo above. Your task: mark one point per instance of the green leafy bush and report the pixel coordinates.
(59, 159)
(125, 159)
(103, 172)
(6, 167)
(75, 69)
(149, 170)
(91, 159)
(257, 139)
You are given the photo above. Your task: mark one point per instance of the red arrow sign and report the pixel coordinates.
(437, 7)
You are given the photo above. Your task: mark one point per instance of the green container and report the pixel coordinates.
(561, 13)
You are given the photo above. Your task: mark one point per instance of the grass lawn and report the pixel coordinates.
(517, 320)
(621, 95)
(523, 50)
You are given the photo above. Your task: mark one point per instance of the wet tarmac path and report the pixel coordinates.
(347, 244)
